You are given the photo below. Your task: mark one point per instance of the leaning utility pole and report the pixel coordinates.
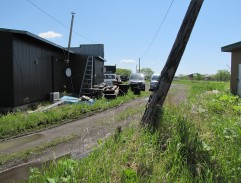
(169, 70)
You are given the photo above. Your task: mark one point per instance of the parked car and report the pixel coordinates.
(138, 80)
(109, 78)
(154, 80)
(124, 78)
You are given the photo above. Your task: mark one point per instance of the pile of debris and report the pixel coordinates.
(96, 92)
(66, 100)
(109, 92)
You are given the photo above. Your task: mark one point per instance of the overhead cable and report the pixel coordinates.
(59, 22)
(160, 26)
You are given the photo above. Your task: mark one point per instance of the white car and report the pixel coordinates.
(154, 80)
(108, 78)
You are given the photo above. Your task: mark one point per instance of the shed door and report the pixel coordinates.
(239, 80)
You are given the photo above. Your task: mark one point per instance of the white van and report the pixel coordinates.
(139, 80)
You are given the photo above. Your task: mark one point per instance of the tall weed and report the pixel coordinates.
(197, 141)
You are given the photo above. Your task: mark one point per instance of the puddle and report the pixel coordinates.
(18, 174)
(22, 173)
(18, 142)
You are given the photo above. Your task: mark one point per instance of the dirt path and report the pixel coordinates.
(86, 131)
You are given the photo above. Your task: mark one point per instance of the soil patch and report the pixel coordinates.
(86, 131)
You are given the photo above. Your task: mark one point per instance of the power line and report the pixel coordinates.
(160, 26)
(56, 20)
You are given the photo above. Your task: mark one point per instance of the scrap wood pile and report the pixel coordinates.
(109, 92)
(98, 91)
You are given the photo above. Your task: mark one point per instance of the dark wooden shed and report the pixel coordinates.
(32, 67)
(96, 50)
(77, 65)
(110, 69)
(88, 50)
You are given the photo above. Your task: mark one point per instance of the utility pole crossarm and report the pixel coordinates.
(174, 58)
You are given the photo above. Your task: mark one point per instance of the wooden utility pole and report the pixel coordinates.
(139, 65)
(169, 70)
(70, 34)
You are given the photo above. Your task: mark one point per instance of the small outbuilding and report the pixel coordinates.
(110, 69)
(235, 82)
(88, 52)
(32, 67)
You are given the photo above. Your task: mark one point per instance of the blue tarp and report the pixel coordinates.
(74, 100)
(68, 99)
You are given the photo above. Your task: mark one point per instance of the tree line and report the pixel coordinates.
(221, 75)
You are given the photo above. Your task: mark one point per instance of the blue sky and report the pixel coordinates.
(127, 27)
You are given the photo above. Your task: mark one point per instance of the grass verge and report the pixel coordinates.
(16, 124)
(197, 141)
(23, 155)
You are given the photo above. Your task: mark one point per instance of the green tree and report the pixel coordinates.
(147, 72)
(222, 75)
(183, 77)
(198, 76)
(123, 72)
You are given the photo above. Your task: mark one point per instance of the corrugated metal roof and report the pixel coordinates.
(26, 33)
(232, 47)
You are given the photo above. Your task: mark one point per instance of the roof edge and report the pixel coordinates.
(101, 58)
(23, 32)
(231, 47)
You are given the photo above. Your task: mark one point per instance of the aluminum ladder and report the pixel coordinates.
(87, 81)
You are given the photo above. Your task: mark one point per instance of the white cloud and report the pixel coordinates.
(128, 61)
(50, 35)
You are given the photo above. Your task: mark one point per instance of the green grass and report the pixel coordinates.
(23, 155)
(15, 124)
(197, 141)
